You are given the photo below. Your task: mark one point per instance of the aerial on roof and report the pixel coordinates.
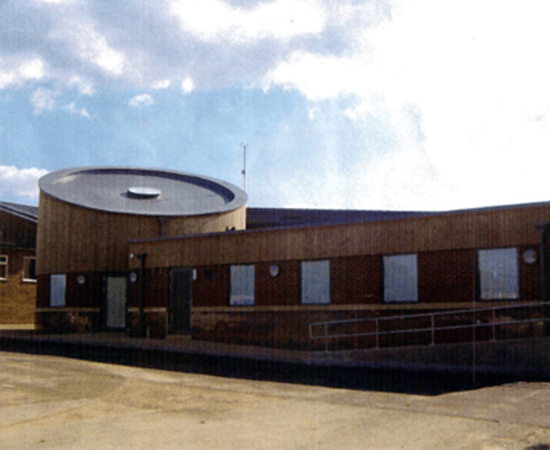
(153, 192)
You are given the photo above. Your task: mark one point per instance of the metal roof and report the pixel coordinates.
(288, 217)
(29, 213)
(151, 192)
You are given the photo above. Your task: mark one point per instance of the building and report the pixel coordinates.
(88, 216)
(17, 264)
(156, 252)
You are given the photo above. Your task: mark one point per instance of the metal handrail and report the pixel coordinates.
(377, 333)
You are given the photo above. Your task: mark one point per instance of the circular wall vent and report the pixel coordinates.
(530, 256)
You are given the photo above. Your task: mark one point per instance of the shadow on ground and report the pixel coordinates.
(365, 379)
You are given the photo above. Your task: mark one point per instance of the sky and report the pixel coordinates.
(354, 104)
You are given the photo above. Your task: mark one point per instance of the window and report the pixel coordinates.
(29, 269)
(400, 278)
(242, 285)
(316, 282)
(57, 290)
(498, 273)
(3, 267)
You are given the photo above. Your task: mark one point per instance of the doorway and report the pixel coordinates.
(181, 293)
(116, 288)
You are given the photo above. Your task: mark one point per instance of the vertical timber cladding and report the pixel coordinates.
(476, 229)
(446, 244)
(87, 216)
(71, 238)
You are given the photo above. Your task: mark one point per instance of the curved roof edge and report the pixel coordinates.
(111, 192)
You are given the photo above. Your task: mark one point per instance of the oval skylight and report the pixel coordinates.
(143, 192)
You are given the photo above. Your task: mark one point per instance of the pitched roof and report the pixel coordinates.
(27, 212)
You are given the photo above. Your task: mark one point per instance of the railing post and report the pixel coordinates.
(356, 336)
(494, 319)
(377, 331)
(433, 328)
(326, 337)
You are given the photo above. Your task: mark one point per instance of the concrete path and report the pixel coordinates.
(58, 403)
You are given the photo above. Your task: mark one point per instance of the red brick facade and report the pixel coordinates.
(443, 277)
(446, 280)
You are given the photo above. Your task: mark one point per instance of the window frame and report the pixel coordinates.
(26, 265)
(238, 270)
(63, 302)
(5, 265)
(305, 290)
(387, 298)
(486, 294)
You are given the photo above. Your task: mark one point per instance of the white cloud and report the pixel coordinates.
(317, 77)
(213, 42)
(187, 85)
(73, 109)
(18, 72)
(402, 179)
(6, 79)
(43, 99)
(474, 74)
(55, 2)
(84, 88)
(215, 20)
(143, 99)
(32, 70)
(162, 84)
(90, 46)
(20, 181)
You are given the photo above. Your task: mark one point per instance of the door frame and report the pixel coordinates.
(171, 308)
(105, 277)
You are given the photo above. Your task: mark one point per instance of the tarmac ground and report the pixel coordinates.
(54, 402)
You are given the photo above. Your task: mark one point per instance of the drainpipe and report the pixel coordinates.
(542, 229)
(141, 321)
(162, 221)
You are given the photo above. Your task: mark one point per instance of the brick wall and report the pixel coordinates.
(17, 297)
(444, 277)
(211, 288)
(279, 318)
(157, 289)
(447, 276)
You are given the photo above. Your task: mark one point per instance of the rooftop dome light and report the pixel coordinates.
(143, 193)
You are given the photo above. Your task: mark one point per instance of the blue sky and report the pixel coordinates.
(352, 104)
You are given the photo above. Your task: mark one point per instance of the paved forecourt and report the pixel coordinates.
(51, 402)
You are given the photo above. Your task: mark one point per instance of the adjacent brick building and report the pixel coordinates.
(17, 264)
